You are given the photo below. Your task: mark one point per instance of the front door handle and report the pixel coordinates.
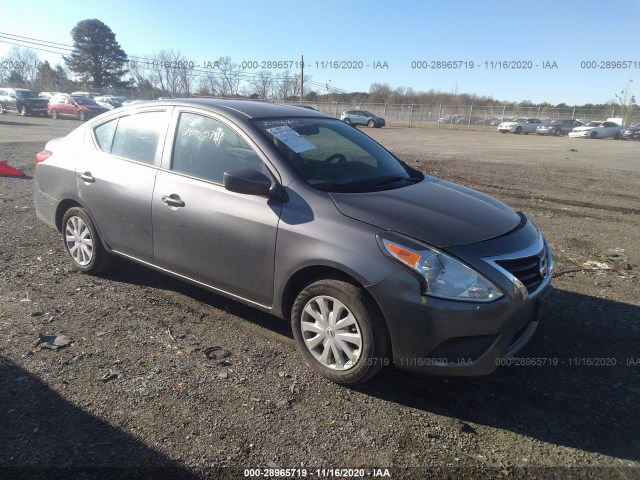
(87, 177)
(172, 200)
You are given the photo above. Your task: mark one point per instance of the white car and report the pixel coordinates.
(597, 130)
(520, 125)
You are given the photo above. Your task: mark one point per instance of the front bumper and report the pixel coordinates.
(446, 337)
(580, 134)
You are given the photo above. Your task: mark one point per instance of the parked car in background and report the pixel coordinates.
(597, 129)
(297, 214)
(107, 102)
(362, 117)
(23, 101)
(520, 125)
(630, 132)
(558, 127)
(69, 106)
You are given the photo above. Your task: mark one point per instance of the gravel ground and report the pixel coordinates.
(162, 379)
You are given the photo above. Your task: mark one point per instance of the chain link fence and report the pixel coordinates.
(463, 117)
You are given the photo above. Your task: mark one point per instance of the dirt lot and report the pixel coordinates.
(165, 380)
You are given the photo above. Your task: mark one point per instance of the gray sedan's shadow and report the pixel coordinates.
(584, 397)
(572, 404)
(42, 435)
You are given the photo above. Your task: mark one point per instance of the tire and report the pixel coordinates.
(557, 132)
(617, 136)
(82, 116)
(593, 135)
(24, 111)
(518, 130)
(319, 340)
(82, 243)
(3, 110)
(371, 124)
(53, 114)
(347, 121)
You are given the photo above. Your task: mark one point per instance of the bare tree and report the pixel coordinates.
(24, 62)
(263, 84)
(229, 77)
(171, 72)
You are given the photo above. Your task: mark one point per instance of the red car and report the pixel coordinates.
(73, 107)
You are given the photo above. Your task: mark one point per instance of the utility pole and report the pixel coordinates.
(302, 78)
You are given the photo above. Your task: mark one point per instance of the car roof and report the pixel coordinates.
(241, 109)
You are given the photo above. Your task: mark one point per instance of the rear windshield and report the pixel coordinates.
(333, 156)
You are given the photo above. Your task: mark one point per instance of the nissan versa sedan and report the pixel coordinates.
(302, 216)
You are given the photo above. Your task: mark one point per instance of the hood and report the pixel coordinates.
(439, 213)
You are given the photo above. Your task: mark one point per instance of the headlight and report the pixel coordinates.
(442, 275)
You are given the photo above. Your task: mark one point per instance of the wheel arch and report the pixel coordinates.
(311, 273)
(68, 203)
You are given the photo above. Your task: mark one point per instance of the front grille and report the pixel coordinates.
(531, 271)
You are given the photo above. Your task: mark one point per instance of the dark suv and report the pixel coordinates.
(23, 101)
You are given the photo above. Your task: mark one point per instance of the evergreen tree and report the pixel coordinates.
(97, 57)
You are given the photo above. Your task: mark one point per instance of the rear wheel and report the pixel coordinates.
(339, 331)
(371, 124)
(24, 111)
(82, 116)
(82, 243)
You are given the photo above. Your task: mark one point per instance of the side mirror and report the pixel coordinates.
(248, 181)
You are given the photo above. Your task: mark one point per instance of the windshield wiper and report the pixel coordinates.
(391, 179)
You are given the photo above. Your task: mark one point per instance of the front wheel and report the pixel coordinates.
(557, 132)
(53, 113)
(593, 135)
(24, 111)
(339, 331)
(347, 121)
(519, 130)
(82, 243)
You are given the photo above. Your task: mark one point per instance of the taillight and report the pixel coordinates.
(41, 157)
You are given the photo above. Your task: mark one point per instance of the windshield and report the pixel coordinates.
(332, 156)
(26, 94)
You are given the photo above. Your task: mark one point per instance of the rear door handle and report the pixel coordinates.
(87, 177)
(172, 200)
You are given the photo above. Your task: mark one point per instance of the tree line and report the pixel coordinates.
(98, 62)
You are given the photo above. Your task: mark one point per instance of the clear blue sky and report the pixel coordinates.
(397, 32)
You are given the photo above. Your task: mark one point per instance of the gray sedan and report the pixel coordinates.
(558, 127)
(297, 214)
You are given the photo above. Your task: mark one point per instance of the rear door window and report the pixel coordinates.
(136, 136)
